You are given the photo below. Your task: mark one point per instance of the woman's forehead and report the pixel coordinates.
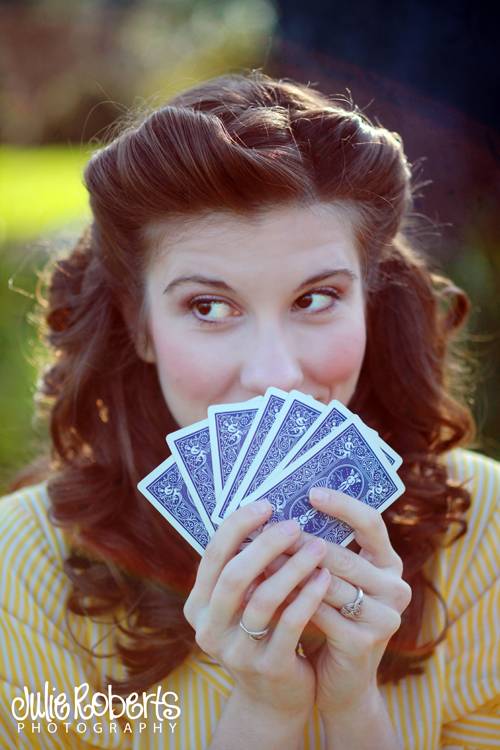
(222, 233)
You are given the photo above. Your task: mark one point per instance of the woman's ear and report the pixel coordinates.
(139, 333)
(144, 346)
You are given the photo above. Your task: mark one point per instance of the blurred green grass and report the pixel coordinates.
(43, 206)
(41, 189)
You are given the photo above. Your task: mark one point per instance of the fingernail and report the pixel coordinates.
(319, 494)
(260, 507)
(289, 528)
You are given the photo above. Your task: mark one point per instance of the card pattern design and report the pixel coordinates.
(231, 429)
(298, 420)
(271, 411)
(347, 463)
(171, 494)
(326, 426)
(194, 451)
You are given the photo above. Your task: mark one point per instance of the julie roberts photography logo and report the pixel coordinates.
(101, 712)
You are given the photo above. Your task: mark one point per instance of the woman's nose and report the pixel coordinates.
(270, 359)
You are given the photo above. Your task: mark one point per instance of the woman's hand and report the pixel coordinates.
(346, 665)
(268, 671)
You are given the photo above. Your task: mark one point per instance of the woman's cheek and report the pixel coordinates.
(192, 372)
(340, 357)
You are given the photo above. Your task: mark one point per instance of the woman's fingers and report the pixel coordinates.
(279, 561)
(346, 564)
(220, 549)
(227, 539)
(383, 584)
(368, 524)
(243, 568)
(380, 614)
(272, 592)
(285, 637)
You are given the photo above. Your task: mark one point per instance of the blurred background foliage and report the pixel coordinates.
(70, 69)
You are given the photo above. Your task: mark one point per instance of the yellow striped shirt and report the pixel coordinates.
(454, 704)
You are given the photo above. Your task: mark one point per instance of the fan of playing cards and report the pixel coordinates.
(275, 446)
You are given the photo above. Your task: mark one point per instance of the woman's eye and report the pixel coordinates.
(306, 302)
(205, 306)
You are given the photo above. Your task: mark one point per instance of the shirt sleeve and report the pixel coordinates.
(472, 706)
(37, 653)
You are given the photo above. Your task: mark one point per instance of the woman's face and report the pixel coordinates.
(235, 305)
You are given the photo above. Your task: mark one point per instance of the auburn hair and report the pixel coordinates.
(241, 143)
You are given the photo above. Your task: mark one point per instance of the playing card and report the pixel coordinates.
(297, 416)
(228, 426)
(271, 404)
(344, 461)
(190, 447)
(165, 488)
(333, 416)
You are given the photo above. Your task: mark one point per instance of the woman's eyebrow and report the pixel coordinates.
(220, 284)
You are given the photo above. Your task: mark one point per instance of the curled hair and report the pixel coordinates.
(241, 144)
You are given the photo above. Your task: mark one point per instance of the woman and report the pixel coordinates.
(252, 232)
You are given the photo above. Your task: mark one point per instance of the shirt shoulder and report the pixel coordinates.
(30, 505)
(470, 566)
(468, 575)
(480, 473)
(45, 648)
(31, 558)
